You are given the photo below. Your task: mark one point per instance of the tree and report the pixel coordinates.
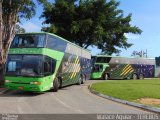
(19, 29)
(90, 22)
(60, 17)
(11, 11)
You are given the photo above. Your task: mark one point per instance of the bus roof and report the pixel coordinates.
(54, 36)
(121, 56)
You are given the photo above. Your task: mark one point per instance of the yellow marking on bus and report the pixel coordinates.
(77, 61)
(131, 71)
(77, 68)
(125, 67)
(123, 71)
(74, 67)
(128, 71)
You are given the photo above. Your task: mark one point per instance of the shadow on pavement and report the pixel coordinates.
(16, 93)
(19, 93)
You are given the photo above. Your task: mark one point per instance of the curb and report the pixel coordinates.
(145, 107)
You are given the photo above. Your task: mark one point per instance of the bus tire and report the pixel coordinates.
(105, 77)
(135, 77)
(80, 80)
(141, 76)
(56, 85)
(60, 82)
(83, 79)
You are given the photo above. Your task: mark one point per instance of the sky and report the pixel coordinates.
(145, 15)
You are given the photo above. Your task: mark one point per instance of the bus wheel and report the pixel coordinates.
(141, 76)
(60, 82)
(83, 79)
(56, 85)
(106, 77)
(135, 76)
(80, 80)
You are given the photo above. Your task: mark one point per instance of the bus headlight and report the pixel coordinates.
(35, 83)
(7, 81)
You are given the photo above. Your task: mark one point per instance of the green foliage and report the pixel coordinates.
(20, 8)
(90, 22)
(19, 29)
(24, 8)
(62, 15)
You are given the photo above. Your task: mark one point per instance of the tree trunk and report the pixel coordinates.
(2, 72)
(1, 48)
(7, 31)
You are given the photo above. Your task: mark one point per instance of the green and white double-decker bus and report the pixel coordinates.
(43, 61)
(116, 67)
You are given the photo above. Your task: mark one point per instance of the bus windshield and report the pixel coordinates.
(28, 41)
(103, 59)
(26, 65)
(98, 68)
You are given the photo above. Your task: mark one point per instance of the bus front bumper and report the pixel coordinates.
(24, 87)
(96, 76)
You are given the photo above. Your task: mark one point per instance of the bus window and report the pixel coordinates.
(157, 61)
(26, 65)
(56, 43)
(41, 42)
(14, 64)
(28, 41)
(49, 66)
(103, 59)
(98, 68)
(32, 65)
(93, 59)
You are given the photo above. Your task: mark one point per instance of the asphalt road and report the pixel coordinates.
(72, 99)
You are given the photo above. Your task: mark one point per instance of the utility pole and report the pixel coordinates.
(146, 53)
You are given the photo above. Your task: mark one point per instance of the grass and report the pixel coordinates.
(130, 90)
